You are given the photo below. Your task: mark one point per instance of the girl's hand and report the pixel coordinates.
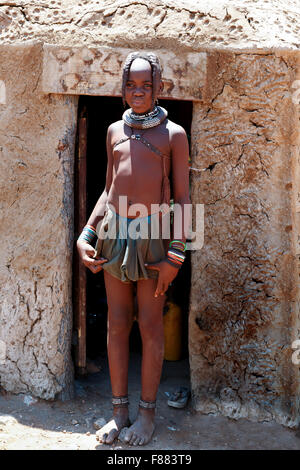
(86, 253)
(166, 274)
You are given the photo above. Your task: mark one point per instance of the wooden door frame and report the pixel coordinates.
(79, 270)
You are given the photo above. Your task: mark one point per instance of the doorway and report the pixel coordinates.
(99, 113)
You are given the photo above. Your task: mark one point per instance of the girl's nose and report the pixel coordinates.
(138, 92)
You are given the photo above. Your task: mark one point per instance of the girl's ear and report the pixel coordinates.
(161, 87)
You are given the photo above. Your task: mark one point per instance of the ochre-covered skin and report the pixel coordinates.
(244, 306)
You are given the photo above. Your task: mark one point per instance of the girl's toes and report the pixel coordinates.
(133, 439)
(110, 437)
(141, 442)
(128, 436)
(102, 438)
(136, 441)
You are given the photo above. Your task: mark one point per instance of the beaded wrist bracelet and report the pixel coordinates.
(88, 234)
(175, 255)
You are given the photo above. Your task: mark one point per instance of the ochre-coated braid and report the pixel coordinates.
(126, 67)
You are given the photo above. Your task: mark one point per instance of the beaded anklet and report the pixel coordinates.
(88, 234)
(147, 404)
(120, 401)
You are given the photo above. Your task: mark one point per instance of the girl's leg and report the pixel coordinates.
(151, 328)
(120, 318)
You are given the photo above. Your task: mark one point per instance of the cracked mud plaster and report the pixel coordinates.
(244, 288)
(37, 149)
(244, 294)
(179, 23)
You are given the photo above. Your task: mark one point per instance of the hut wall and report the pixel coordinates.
(244, 305)
(37, 136)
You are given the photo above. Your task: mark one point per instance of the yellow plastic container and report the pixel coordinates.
(173, 332)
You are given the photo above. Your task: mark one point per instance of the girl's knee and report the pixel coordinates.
(120, 322)
(150, 326)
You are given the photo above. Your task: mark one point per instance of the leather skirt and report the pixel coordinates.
(129, 243)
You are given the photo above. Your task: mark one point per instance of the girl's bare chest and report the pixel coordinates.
(149, 152)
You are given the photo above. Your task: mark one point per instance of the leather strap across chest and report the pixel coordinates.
(141, 138)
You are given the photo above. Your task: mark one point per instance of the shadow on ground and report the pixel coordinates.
(70, 425)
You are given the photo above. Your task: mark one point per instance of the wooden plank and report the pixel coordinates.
(79, 268)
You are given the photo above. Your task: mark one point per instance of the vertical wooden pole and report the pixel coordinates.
(79, 268)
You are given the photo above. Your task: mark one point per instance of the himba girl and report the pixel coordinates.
(142, 148)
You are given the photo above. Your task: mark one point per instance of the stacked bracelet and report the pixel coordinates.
(88, 234)
(175, 255)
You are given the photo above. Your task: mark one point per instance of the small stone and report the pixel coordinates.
(88, 421)
(29, 400)
(88, 433)
(99, 423)
(74, 421)
(122, 435)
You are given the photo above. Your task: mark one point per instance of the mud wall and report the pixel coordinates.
(244, 308)
(37, 134)
(245, 281)
(137, 23)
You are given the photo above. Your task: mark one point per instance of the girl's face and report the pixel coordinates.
(138, 91)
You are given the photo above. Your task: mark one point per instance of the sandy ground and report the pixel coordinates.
(29, 424)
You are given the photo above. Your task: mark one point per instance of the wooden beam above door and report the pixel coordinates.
(97, 71)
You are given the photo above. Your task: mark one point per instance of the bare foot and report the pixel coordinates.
(110, 431)
(142, 429)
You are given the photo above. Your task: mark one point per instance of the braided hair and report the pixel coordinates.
(155, 69)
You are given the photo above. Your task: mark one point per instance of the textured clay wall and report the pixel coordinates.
(37, 134)
(245, 281)
(244, 308)
(190, 23)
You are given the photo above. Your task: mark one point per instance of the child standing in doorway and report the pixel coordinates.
(141, 150)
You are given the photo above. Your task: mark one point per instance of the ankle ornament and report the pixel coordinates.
(147, 404)
(120, 401)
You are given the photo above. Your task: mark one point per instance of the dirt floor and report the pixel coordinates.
(27, 423)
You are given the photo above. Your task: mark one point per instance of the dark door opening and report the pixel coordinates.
(100, 112)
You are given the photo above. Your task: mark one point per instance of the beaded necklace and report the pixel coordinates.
(145, 121)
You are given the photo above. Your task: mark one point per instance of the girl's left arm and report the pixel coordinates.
(180, 179)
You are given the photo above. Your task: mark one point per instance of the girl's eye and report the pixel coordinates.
(131, 85)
